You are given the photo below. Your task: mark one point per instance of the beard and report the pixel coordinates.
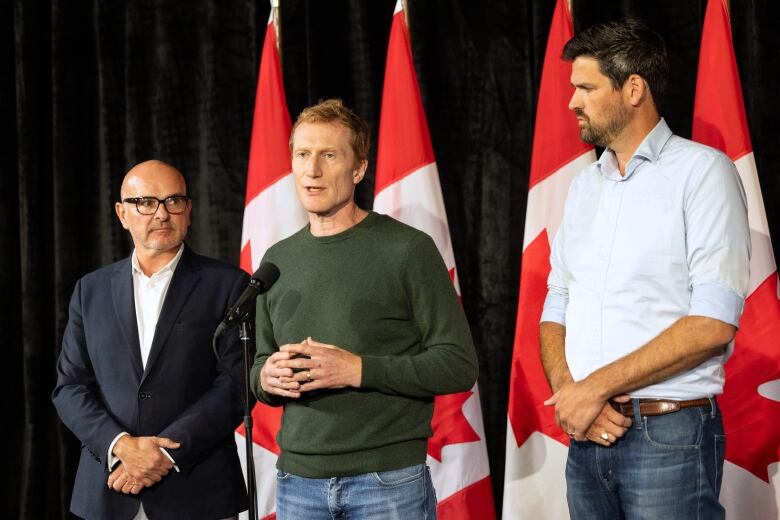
(602, 134)
(166, 242)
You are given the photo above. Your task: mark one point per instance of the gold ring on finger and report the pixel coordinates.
(308, 375)
(605, 436)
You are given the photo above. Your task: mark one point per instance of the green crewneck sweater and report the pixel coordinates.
(379, 290)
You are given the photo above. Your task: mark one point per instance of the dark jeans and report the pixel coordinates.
(666, 467)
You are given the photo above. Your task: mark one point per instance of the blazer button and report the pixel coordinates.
(144, 395)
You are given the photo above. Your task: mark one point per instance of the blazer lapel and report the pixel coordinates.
(124, 306)
(184, 280)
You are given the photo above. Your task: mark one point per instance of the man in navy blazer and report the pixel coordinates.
(137, 380)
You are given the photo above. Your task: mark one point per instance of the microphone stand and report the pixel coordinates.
(246, 340)
(242, 311)
(251, 484)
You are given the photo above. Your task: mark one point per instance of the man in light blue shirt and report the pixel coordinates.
(649, 275)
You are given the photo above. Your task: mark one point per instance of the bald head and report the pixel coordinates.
(151, 172)
(155, 209)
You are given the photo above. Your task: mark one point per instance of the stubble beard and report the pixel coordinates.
(604, 134)
(165, 243)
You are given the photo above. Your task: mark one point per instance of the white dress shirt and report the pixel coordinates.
(149, 294)
(635, 253)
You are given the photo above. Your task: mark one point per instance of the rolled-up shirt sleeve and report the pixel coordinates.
(714, 301)
(555, 308)
(557, 284)
(718, 241)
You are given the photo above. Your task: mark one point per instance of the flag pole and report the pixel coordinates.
(271, 212)
(405, 7)
(276, 17)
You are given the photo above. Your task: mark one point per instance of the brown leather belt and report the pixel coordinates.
(658, 406)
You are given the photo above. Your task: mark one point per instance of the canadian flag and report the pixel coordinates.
(536, 448)
(272, 213)
(751, 411)
(407, 188)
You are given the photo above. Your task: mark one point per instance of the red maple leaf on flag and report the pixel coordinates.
(752, 422)
(449, 424)
(527, 412)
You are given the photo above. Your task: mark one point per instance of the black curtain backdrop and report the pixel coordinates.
(89, 88)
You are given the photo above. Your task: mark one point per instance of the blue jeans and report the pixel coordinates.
(399, 494)
(666, 467)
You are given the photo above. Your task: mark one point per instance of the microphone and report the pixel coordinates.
(265, 276)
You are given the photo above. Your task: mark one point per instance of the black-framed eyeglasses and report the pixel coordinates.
(174, 204)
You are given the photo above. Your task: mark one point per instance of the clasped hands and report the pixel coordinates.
(585, 414)
(143, 463)
(325, 366)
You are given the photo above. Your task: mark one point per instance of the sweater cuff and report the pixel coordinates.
(373, 372)
(259, 393)
(269, 399)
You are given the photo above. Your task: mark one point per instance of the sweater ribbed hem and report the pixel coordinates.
(383, 458)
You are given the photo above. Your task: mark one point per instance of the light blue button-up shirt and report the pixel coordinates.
(635, 253)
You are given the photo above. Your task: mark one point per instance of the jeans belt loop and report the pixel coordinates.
(713, 407)
(637, 414)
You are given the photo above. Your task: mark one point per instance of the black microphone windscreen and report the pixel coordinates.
(266, 274)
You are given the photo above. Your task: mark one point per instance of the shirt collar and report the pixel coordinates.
(169, 267)
(649, 149)
(654, 142)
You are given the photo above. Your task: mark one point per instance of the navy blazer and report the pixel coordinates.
(183, 393)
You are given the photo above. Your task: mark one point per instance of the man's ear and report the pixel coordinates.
(636, 90)
(120, 213)
(359, 172)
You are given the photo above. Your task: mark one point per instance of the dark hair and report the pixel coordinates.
(334, 111)
(623, 48)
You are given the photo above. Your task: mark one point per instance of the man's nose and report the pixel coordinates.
(313, 168)
(574, 101)
(162, 212)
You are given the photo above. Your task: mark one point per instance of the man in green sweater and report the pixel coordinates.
(360, 332)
